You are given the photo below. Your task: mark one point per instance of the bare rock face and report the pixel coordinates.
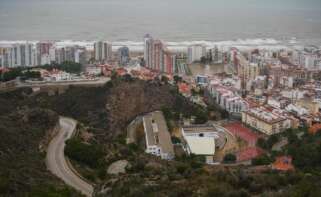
(127, 100)
(118, 167)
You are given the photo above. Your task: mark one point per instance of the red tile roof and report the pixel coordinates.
(283, 163)
(184, 88)
(315, 128)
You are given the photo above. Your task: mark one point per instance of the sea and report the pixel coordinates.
(179, 23)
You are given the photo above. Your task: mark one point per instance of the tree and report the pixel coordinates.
(175, 140)
(84, 153)
(164, 79)
(127, 78)
(203, 60)
(262, 160)
(11, 74)
(229, 158)
(177, 78)
(268, 144)
(31, 75)
(70, 67)
(261, 142)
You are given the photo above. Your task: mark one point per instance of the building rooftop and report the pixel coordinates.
(201, 145)
(283, 163)
(157, 132)
(266, 114)
(199, 129)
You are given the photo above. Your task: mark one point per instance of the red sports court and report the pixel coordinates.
(243, 132)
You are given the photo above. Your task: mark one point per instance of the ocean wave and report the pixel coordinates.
(261, 43)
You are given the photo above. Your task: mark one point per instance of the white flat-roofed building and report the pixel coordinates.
(60, 76)
(200, 145)
(200, 140)
(158, 139)
(94, 70)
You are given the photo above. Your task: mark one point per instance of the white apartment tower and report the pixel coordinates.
(195, 53)
(148, 50)
(22, 55)
(103, 51)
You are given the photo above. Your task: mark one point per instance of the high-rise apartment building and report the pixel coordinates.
(123, 56)
(195, 53)
(169, 62)
(103, 51)
(20, 54)
(148, 50)
(157, 56)
(6, 57)
(65, 54)
(217, 55)
(81, 56)
(43, 53)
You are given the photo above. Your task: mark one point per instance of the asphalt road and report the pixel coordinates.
(57, 163)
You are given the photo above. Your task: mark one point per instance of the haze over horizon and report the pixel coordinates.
(171, 20)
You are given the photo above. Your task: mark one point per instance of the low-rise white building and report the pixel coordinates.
(94, 70)
(60, 76)
(158, 139)
(200, 140)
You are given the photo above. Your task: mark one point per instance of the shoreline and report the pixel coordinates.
(181, 46)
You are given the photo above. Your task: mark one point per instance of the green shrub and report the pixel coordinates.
(262, 160)
(87, 154)
(229, 158)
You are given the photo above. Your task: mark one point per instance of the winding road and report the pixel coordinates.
(57, 163)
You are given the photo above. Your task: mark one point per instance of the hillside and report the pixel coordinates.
(26, 118)
(103, 114)
(22, 168)
(108, 110)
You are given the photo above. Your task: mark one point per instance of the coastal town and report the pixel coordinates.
(149, 98)
(264, 92)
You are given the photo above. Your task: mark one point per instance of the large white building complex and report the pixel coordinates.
(158, 140)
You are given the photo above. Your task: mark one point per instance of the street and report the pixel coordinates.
(57, 163)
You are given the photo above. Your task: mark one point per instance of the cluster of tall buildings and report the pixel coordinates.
(42, 53)
(157, 56)
(18, 55)
(309, 58)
